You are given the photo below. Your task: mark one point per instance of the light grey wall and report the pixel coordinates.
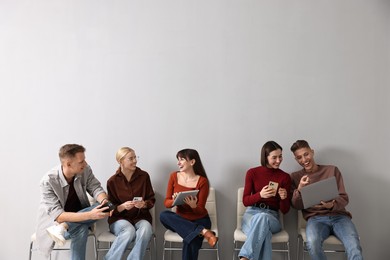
(219, 76)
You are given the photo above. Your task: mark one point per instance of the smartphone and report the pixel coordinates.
(273, 185)
(137, 199)
(109, 205)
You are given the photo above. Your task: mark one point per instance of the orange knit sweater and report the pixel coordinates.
(184, 210)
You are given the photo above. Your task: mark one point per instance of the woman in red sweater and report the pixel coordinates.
(266, 191)
(191, 220)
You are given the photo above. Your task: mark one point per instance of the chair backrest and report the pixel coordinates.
(153, 213)
(301, 220)
(91, 199)
(241, 209)
(211, 207)
(91, 202)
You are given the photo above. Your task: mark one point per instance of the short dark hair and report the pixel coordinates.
(267, 148)
(299, 144)
(70, 150)
(190, 154)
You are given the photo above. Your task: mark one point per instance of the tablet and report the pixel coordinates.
(179, 200)
(324, 190)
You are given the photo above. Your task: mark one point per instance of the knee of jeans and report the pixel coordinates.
(81, 231)
(314, 240)
(313, 236)
(356, 250)
(127, 233)
(146, 230)
(164, 216)
(313, 249)
(314, 245)
(353, 249)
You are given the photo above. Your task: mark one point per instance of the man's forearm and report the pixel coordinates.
(101, 197)
(73, 217)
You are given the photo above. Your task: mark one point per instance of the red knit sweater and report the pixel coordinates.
(257, 178)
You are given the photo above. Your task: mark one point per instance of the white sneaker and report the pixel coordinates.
(56, 233)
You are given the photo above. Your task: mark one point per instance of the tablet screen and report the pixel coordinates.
(179, 200)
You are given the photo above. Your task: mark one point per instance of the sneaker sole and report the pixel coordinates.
(57, 240)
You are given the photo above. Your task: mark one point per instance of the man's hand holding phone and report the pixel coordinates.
(104, 209)
(109, 205)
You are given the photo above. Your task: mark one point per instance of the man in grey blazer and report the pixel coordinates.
(65, 211)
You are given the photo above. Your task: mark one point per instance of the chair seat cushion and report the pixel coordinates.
(280, 237)
(171, 236)
(331, 240)
(106, 236)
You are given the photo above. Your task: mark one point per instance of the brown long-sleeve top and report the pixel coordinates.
(184, 210)
(120, 190)
(323, 172)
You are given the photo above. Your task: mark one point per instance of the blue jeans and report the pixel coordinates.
(125, 233)
(188, 230)
(259, 225)
(319, 228)
(78, 233)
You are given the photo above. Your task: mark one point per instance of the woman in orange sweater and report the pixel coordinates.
(191, 220)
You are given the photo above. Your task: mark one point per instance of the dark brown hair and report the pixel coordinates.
(191, 154)
(267, 148)
(299, 144)
(70, 150)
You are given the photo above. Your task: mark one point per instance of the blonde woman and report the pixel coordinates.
(131, 190)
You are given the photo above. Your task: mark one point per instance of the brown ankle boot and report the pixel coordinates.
(210, 237)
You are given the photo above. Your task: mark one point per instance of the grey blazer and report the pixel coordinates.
(54, 192)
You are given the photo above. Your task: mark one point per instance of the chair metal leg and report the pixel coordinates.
(234, 250)
(164, 250)
(97, 250)
(150, 249)
(167, 246)
(31, 247)
(217, 251)
(170, 251)
(298, 247)
(94, 244)
(150, 252)
(286, 250)
(154, 248)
